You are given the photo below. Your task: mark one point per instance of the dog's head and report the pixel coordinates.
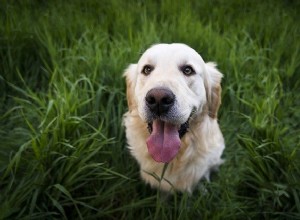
(168, 85)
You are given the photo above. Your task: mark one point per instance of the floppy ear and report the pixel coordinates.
(213, 89)
(130, 76)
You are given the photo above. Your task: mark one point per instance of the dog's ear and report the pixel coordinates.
(130, 76)
(213, 89)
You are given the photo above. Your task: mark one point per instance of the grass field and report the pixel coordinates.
(62, 96)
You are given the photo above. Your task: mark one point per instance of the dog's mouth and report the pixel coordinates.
(164, 140)
(181, 131)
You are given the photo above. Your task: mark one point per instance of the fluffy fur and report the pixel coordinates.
(197, 101)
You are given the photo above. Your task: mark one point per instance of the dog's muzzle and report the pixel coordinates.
(159, 102)
(165, 136)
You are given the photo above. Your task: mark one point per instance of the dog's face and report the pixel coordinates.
(168, 85)
(170, 76)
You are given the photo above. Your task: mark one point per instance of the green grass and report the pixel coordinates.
(62, 147)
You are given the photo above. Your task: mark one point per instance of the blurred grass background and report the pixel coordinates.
(62, 147)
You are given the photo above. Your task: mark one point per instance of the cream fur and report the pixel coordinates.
(202, 146)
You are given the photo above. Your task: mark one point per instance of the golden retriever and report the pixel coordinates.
(173, 98)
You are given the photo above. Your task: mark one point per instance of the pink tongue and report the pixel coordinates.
(164, 142)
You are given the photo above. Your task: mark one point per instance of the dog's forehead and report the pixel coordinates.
(170, 52)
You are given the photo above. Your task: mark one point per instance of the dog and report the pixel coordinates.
(173, 99)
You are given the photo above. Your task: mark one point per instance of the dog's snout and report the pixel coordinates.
(160, 100)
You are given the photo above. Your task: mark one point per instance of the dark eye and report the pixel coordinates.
(187, 70)
(147, 70)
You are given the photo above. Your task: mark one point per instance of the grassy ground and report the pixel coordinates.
(62, 146)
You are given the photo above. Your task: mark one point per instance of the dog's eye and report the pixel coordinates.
(187, 70)
(147, 70)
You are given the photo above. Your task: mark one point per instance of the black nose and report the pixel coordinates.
(160, 100)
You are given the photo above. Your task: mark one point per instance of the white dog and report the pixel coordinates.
(173, 99)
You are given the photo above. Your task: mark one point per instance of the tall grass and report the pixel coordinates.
(63, 152)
